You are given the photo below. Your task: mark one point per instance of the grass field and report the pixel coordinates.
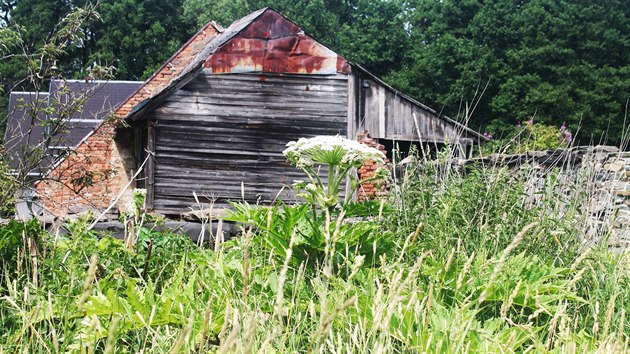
(449, 263)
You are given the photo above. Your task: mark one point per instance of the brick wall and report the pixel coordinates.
(173, 67)
(370, 190)
(93, 176)
(84, 181)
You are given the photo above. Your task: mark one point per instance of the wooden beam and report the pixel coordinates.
(150, 168)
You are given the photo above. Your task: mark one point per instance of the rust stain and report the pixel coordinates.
(284, 44)
(272, 44)
(271, 25)
(342, 65)
(250, 46)
(234, 63)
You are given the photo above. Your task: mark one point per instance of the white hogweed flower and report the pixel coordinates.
(331, 150)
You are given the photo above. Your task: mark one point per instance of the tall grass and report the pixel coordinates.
(453, 262)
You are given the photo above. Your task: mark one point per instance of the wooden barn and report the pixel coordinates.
(210, 125)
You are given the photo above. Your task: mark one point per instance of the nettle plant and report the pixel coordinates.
(337, 154)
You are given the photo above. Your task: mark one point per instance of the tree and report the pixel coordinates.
(6, 6)
(374, 35)
(223, 12)
(137, 36)
(51, 115)
(557, 61)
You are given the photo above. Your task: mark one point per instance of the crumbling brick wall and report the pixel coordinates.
(86, 179)
(173, 67)
(370, 190)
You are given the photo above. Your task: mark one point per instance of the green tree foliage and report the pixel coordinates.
(38, 18)
(374, 35)
(553, 60)
(137, 36)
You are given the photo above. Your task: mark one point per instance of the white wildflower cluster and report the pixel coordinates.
(331, 150)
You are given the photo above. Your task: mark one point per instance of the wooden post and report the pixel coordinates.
(150, 168)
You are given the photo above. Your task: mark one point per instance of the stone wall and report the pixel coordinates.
(613, 183)
(592, 181)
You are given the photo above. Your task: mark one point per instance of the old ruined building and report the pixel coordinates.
(210, 125)
(39, 133)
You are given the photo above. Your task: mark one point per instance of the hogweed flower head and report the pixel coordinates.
(339, 154)
(330, 150)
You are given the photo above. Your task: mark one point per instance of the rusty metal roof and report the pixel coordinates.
(273, 45)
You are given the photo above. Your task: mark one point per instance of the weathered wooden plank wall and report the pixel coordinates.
(222, 130)
(386, 114)
(399, 115)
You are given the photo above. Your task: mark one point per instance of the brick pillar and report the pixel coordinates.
(370, 190)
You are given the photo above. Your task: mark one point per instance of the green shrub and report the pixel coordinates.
(17, 241)
(529, 137)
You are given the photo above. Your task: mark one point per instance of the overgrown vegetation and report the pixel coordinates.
(451, 262)
(32, 145)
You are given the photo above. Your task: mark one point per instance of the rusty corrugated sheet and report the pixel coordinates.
(273, 44)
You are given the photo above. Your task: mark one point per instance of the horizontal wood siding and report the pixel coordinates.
(221, 131)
